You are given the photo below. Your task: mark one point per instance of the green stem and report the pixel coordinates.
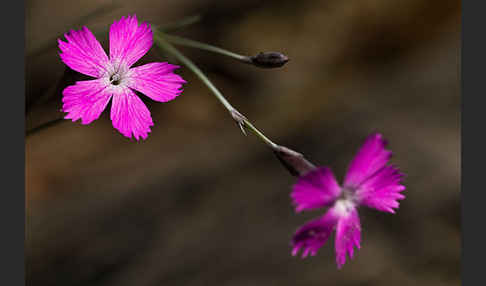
(195, 44)
(184, 22)
(43, 126)
(258, 133)
(160, 40)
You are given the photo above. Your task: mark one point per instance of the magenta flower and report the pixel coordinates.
(116, 78)
(369, 182)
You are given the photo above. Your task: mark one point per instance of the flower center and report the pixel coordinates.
(347, 194)
(115, 79)
(343, 206)
(346, 201)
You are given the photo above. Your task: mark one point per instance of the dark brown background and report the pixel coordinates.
(199, 204)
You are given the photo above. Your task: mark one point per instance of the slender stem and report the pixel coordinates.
(160, 40)
(43, 126)
(184, 22)
(195, 44)
(258, 133)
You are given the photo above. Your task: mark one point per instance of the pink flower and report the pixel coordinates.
(369, 182)
(116, 78)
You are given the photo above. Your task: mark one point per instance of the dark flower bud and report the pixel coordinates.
(295, 162)
(269, 60)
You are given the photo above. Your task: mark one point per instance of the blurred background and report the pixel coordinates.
(197, 203)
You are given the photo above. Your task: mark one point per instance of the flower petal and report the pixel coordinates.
(371, 157)
(83, 53)
(382, 190)
(312, 235)
(129, 114)
(85, 100)
(348, 233)
(156, 80)
(129, 41)
(317, 188)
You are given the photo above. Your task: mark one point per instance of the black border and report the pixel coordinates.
(473, 143)
(12, 209)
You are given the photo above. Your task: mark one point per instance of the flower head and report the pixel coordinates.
(116, 78)
(369, 181)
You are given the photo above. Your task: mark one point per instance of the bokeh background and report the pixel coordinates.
(197, 203)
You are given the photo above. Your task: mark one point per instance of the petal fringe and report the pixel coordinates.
(129, 41)
(156, 80)
(348, 236)
(371, 157)
(382, 190)
(83, 53)
(312, 235)
(129, 114)
(85, 100)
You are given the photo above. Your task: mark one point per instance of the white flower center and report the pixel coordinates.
(117, 75)
(343, 207)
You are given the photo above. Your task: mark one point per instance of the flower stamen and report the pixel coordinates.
(115, 79)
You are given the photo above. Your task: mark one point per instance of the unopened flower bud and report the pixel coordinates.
(295, 162)
(269, 60)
